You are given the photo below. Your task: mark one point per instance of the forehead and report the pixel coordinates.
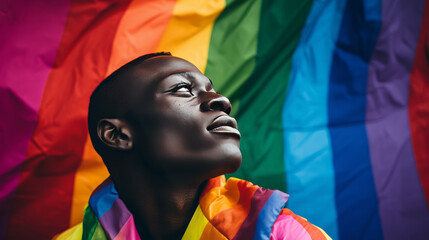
(139, 83)
(155, 69)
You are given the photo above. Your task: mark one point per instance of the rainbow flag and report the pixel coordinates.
(331, 99)
(235, 209)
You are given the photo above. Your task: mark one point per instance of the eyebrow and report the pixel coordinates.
(191, 75)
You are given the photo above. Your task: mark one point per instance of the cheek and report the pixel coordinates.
(179, 142)
(176, 132)
(185, 131)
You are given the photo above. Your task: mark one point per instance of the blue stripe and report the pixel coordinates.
(268, 215)
(103, 200)
(308, 157)
(356, 199)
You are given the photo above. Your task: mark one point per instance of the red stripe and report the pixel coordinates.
(419, 104)
(43, 198)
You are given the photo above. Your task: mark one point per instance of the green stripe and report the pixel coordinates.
(99, 233)
(262, 94)
(232, 49)
(91, 227)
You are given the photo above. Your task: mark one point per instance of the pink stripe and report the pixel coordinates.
(286, 227)
(30, 35)
(128, 231)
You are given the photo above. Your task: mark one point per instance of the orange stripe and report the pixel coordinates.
(219, 199)
(230, 220)
(213, 183)
(44, 197)
(227, 206)
(211, 232)
(139, 32)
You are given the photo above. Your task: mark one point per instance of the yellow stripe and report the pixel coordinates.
(196, 226)
(90, 174)
(74, 233)
(189, 31)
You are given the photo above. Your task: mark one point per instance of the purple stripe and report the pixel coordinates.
(247, 229)
(30, 35)
(403, 211)
(114, 219)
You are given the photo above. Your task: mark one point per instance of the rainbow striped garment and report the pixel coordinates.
(331, 98)
(235, 209)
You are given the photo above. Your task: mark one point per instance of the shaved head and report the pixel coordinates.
(112, 99)
(163, 115)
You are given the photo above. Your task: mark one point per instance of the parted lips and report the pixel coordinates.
(224, 124)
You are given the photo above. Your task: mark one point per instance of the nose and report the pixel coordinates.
(216, 102)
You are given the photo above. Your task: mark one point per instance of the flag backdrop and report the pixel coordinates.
(331, 96)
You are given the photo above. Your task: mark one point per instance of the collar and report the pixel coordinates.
(235, 209)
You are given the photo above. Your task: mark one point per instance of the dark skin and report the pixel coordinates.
(176, 134)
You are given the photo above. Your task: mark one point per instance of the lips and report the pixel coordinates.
(224, 124)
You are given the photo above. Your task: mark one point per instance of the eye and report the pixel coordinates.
(182, 87)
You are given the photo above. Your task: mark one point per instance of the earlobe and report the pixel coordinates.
(115, 133)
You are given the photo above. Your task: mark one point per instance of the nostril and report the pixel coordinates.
(216, 105)
(220, 104)
(215, 102)
(228, 110)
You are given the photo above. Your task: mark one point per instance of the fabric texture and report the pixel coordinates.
(235, 209)
(331, 98)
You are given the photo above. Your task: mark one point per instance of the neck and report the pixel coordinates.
(167, 216)
(162, 209)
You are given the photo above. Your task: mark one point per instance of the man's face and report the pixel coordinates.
(183, 126)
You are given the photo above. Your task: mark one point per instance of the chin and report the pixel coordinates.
(235, 165)
(233, 158)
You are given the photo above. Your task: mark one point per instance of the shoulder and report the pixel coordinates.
(74, 233)
(291, 226)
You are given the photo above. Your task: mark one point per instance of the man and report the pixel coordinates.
(166, 138)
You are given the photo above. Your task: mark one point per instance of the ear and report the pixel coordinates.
(115, 133)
